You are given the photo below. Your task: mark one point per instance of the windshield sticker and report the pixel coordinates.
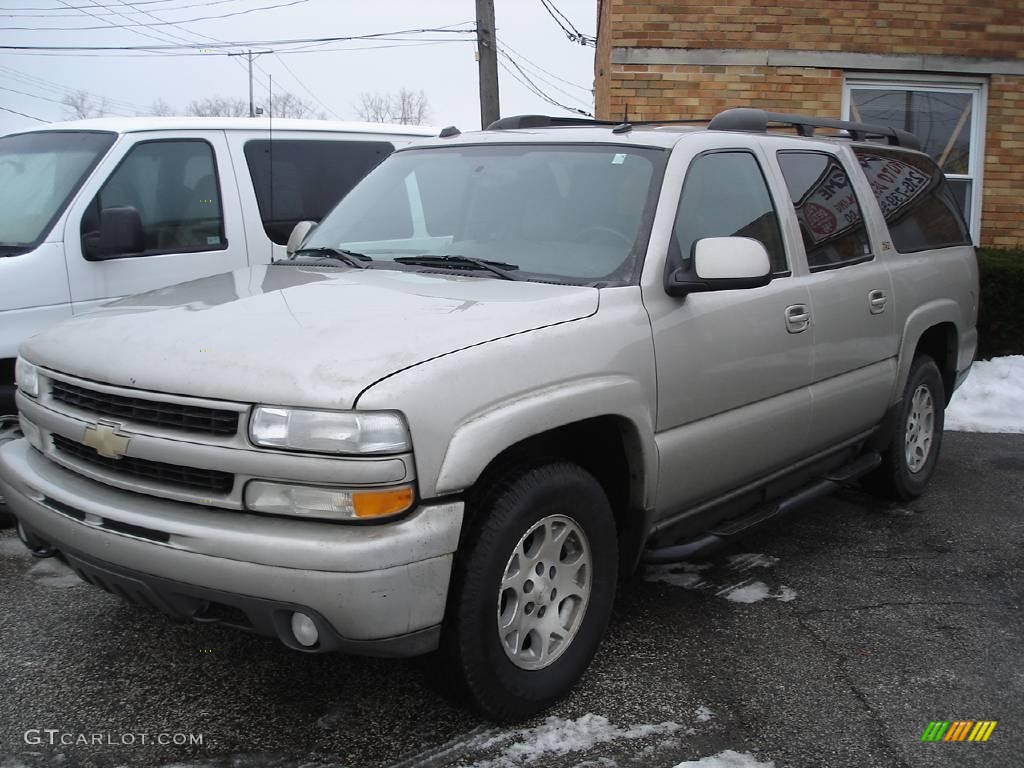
(619, 158)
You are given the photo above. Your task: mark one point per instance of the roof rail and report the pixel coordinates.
(757, 120)
(544, 121)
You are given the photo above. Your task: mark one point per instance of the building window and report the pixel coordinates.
(947, 118)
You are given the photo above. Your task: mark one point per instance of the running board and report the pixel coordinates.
(761, 514)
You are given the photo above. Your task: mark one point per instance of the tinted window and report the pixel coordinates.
(725, 195)
(831, 223)
(915, 199)
(174, 187)
(309, 177)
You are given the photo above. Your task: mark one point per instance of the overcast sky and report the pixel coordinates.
(445, 71)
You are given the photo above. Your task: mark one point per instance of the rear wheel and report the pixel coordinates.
(909, 460)
(532, 589)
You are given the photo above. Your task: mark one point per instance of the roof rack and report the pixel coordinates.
(758, 120)
(544, 121)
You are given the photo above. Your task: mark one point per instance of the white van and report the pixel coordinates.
(93, 210)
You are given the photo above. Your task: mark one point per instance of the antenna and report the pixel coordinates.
(270, 204)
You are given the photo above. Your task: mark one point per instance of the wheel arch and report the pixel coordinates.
(933, 329)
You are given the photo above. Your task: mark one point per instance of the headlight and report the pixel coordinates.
(355, 432)
(326, 503)
(26, 376)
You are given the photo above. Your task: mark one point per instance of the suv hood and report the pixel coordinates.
(296, 335)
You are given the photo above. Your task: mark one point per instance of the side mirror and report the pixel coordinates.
(299, 233)
(722, 264)
(120, 234)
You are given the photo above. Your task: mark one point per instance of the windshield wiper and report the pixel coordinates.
(499, 268)
(352, 258)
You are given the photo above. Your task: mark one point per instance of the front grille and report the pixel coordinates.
(207, 480)
(192, 418)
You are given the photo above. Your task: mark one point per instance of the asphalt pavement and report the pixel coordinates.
(831, 638)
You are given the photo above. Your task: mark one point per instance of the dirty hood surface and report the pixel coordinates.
(296, 335)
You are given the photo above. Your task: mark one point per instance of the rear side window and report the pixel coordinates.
(725, 195)
(831, 222)
(302, 179)
(915, 199)
(174, 187)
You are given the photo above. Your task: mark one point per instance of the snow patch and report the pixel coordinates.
(750, 560)
(557, 736)
(703, 714)
(754, 592)
(992, 398)
(669, 575)
(727, 759)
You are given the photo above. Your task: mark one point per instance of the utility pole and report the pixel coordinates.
(249, 55)
(487, 55)
(252, 109)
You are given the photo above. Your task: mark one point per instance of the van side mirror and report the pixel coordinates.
(722, 264)
(120, 234)
(299, 233)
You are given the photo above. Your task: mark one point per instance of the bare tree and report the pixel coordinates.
(290, 105)
(403, 106)
(80, 105)
(409, 107)
(218, 106)
(161, 108)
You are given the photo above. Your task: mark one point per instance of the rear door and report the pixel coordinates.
(733, 367)
(182, 185)
(855, 342)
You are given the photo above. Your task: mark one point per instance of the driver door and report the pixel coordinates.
(733, 367)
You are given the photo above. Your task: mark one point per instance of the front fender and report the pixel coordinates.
(479, 440)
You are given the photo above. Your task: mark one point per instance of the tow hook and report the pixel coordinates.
(35, 545)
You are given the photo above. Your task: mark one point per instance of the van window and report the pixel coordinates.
(174, 187)
(831, 222)
(915, 199)
(309, 177)
(725, 195)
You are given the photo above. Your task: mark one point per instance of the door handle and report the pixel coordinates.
(876, 302)
(798, 318)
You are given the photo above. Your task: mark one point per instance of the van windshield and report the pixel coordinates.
(39, 173)
(553, 212)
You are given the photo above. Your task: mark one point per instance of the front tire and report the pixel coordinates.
(909, 460)
(532, 589)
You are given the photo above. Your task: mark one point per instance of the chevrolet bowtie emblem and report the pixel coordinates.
(105, 439)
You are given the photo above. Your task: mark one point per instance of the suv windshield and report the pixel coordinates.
(567, 213)
(39, 172)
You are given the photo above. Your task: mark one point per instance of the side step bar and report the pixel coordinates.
(731, 529)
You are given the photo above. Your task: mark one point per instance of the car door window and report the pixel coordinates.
(302, 179)
(831, 223)
(725, 195)
(175, 189)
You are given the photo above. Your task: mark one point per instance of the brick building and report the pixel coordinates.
(952, 72)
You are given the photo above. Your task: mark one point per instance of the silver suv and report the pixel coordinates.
(508, 367)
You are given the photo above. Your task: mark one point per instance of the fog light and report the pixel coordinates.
(304, 630)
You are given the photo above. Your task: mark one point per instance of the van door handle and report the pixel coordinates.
(798, 318)
(876, 302)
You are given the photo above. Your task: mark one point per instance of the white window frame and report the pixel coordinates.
(977, 88)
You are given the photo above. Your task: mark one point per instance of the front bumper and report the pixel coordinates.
(377, 589)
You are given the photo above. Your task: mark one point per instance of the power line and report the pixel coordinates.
(534, 65)
(237, 44)
(65, 90)
(112, 24)
(567, 26)
(525, 80)
(162, 23)
(54, 15)
(301, 82)
(42, 98)
(30, 117)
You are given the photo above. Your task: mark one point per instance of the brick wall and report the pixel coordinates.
(1002, 211)
(989, 29)
(993, 28)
